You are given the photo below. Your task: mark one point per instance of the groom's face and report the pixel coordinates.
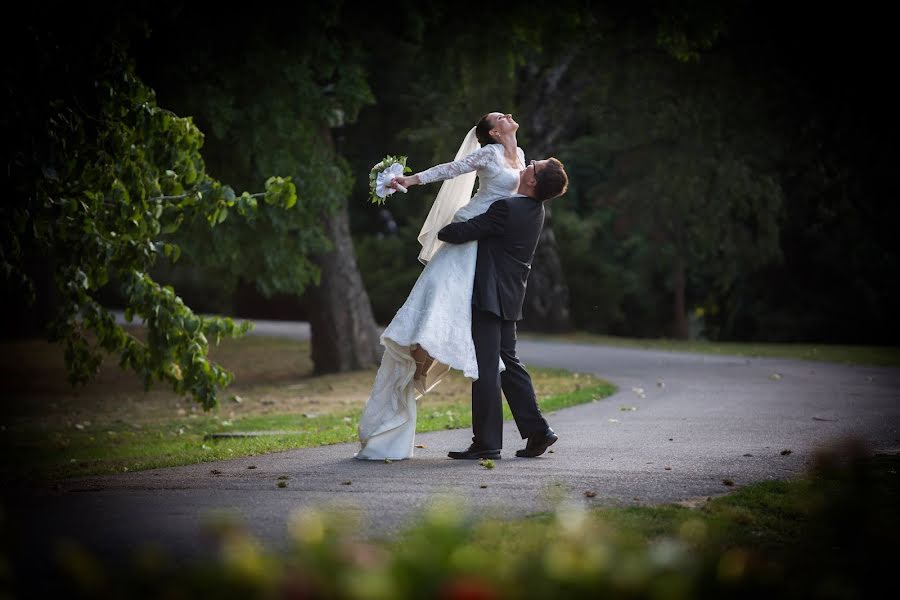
(529, 175)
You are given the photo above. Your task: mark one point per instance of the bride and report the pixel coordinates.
(432, 331)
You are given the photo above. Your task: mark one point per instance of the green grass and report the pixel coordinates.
(847, 354)
(120, 446)
(459, 414)
(858, 500)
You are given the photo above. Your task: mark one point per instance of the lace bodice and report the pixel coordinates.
(496, 179)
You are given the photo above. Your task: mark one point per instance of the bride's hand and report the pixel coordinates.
(404, 182)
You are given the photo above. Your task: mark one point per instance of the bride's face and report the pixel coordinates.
(503, 123)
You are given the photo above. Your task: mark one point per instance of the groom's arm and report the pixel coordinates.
(492, 222)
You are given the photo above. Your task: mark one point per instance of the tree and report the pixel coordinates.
(100, 174)
(294, 80)
(688, 171)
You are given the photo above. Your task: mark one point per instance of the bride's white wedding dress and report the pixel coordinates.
(437, 315)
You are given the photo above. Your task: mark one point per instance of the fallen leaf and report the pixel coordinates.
(237, 399)
(421, 446)
(748, 455)
(282, 484)
(668, 468)
(775, 376)
(627, 408)
(727, 482)
(251, 467)
(590, 493)
(671, 439)
(348, 482)
(79, 426)
(821, 419)
(613, 420)
(281, 477)
(487, 463)
(636, 498)
(785, 452)
(551, 451)
(483, 486)
(216, 472)
(387, 461)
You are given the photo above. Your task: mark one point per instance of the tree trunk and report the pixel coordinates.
(546, 305)
(344, 333)
(679, 323)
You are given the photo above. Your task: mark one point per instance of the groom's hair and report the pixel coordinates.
(551, 181)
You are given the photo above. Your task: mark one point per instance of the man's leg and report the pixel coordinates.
(517, 386)
(487, 406)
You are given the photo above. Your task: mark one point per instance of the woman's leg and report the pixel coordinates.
(423, 361)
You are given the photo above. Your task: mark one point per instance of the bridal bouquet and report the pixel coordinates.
(382, 174)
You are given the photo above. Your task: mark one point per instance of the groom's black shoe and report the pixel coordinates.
(538, 444)
(475, 452)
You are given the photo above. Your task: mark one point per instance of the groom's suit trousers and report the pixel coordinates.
(495, 338)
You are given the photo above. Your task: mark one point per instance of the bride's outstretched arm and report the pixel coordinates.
(472, 162)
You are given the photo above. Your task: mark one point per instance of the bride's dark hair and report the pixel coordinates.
(483, 130)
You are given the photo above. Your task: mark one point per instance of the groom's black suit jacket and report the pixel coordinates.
(507, 237)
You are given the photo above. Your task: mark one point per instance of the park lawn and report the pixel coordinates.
(50, 431)
(887, 356)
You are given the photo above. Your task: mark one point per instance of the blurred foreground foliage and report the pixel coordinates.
(829, 534)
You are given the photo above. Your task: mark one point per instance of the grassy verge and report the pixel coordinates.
(829, 534)
(47, 430)
(847, 354)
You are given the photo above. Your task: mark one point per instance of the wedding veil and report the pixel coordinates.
(453, 195)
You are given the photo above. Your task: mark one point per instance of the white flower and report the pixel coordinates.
(385, 177)
(381, 176)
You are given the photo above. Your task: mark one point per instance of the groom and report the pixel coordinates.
(508, 235)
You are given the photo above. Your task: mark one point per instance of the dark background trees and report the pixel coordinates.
(728, 164)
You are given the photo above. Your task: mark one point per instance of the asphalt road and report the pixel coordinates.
(699, 420)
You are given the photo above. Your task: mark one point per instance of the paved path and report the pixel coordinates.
(699, 420)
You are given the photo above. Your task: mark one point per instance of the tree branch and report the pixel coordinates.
(183, 196)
